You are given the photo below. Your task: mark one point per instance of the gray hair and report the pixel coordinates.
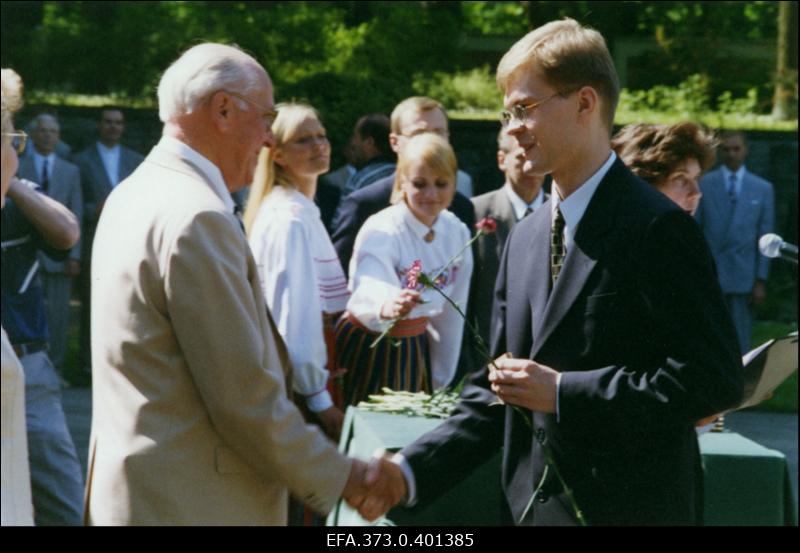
(201, 71)
(44, 117)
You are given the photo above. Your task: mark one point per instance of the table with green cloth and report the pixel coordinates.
(745, 483)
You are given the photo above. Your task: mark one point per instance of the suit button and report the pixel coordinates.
(543, 497)
(541, 437)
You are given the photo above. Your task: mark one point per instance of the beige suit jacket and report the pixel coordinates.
(191, 419)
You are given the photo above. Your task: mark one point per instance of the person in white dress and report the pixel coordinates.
(17, 502)
(422, 349)
(301, 275)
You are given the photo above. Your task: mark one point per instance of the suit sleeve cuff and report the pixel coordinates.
(558, 397)
(411, 484)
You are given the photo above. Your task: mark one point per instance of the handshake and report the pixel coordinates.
(372, 489)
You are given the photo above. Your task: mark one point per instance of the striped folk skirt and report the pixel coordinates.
(401, 361)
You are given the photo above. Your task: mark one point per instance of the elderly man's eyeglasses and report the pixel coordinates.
(18, 140)
(268, 115)
(522, 112)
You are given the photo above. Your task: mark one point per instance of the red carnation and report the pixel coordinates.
(413, 275)
(487, 225)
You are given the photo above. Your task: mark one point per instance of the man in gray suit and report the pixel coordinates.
(519, 196)
(61, 181)
(103, 165)
(737, 208)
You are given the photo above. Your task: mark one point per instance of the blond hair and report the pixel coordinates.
(415, 104)
(569, 56)
(433, 151)
(269, 174)
(11, 98)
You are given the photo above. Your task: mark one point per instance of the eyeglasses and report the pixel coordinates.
(18, 140)
(522, 112)
(269, 115)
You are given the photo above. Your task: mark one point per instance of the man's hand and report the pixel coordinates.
(73, 267)
(332, 420)
(525, 383)
(759, 293)
(387, 487)
(355, 490)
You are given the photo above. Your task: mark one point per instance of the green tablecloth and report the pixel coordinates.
(745, 483)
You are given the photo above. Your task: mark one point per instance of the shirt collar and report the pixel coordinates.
(574, 207)
(292, 193)
(103, 149)
(417, 226)
(739, 173)
(40, 158)
(209, 170)
(519, 205)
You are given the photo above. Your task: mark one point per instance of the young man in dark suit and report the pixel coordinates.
(608, 305)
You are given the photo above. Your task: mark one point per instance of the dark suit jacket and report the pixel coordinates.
(356, 208)
(637, 326)
(487, 252)
(327, 199)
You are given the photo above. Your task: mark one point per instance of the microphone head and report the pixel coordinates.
(770, 245)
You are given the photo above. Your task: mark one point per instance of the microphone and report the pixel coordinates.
(772, 245)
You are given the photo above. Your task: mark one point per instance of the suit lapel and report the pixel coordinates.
(27, 169)
(539, 264)
(581, 258)
(100, 169)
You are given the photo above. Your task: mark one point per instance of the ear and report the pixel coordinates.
(220, 110)
(588, 103)
(277, 157)
(501, 161)
(393, 141)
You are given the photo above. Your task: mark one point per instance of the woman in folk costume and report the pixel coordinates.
(300, 272)
(416, 233)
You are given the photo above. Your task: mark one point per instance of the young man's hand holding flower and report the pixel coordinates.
(525, 383)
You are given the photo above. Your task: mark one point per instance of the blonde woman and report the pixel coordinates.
(300, 273)
(17, 503)
(422, 351)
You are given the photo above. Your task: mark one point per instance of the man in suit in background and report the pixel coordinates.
(519, 196)
(372, 156)
(103, 165)
(410, 117)
(608, 305)
(60, 180)
(737, 208)
(192, 422)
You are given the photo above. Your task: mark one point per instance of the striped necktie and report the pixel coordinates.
(557, 248)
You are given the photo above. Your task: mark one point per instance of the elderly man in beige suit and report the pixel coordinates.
(192, 420)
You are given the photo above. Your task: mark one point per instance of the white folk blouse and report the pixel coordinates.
(301, 277)
(385, 249)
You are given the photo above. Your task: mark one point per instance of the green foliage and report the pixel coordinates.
(472, 91)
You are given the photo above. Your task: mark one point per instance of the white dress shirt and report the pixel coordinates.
(110, 158)
(521, 206)
(39, 160)
(739, 178)
(301, 277)
(385, 249)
